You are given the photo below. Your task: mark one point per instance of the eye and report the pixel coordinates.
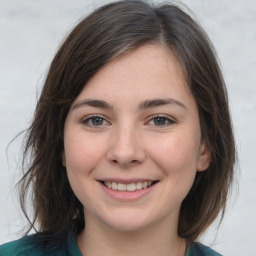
(95, 121)
(161, 121)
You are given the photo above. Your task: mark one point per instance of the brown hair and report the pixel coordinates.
(109, 31)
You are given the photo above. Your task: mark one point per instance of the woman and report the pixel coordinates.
(131, 146)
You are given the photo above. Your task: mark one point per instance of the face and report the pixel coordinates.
(132, 141)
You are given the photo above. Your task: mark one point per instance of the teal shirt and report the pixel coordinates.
(32, 245)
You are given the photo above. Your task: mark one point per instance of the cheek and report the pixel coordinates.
(177, 154)
(82, 153)
(176, 157)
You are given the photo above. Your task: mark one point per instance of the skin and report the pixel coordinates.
(127, 141)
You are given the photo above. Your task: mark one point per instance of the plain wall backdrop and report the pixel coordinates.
(30, 33)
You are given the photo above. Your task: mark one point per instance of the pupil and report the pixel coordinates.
(97, 121)
(159, 120)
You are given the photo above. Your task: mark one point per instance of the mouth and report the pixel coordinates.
(130, 187)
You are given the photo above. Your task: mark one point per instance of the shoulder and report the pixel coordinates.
(198, 249)
(42, 245)
(21, 247)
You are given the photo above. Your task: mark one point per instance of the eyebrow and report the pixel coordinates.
(93, 103)
(152, 103)
(160, 102)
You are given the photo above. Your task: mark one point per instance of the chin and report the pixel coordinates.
(129, 222)
(127, 227)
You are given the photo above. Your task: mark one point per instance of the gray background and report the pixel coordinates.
(30, 32)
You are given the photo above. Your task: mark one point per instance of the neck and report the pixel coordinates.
(100, 239)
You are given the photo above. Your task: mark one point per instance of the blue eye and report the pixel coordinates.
(161, 121)
(95, 121)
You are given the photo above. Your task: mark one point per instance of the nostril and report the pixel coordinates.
(124, 162)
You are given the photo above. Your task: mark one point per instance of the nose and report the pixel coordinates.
(126, 147)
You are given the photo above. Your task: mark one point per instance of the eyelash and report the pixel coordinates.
(94, 117)
(165, 118)
(89, 121)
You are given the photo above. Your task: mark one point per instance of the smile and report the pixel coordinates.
(128, 187)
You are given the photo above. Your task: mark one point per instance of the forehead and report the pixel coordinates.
(150, 70)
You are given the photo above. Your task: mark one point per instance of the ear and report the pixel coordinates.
(63, 157)
(204, 158)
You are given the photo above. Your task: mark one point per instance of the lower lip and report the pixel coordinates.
(127, 195)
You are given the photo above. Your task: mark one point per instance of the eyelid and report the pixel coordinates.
(89, 117)
(169, 119)
(166, 117)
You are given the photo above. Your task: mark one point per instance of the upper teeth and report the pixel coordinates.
(127, 187)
